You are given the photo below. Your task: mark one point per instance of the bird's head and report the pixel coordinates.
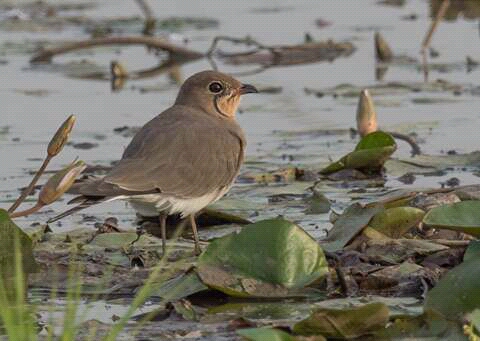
(213, 92)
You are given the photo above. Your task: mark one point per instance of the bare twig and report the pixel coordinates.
(428, 37)
(411, 141)
(247, 41)
(176, 52)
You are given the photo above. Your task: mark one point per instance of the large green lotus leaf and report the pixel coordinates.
(368, 158)
(394, 222)
(8, 232)
(370, 154)
(430, 325)
(457, 292)
(270, 258)
(377, 139)
(345, 323)
(473, 251)
(352, 221)
(474, 318)
(179, 287)
(272, 334)
(461, 216)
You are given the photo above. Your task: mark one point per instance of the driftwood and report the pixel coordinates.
(177, 53)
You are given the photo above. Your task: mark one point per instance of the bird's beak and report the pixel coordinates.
(248, 89)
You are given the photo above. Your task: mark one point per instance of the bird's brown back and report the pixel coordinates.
(183, 152)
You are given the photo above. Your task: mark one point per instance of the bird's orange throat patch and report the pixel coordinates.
(227, 105)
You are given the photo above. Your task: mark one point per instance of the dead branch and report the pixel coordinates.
(176, 52)
(278, 55)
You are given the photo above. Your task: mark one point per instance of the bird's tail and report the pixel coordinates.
(84, 203)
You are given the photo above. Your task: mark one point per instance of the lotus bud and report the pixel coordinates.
(118, 70)
(60, 182)
(366, 115)
(383, 53)
(58, 140)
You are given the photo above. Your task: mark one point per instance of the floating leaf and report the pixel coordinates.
(265, 333)
(474, 318)
(429, 325)
(461, 216)
(8, 232)
(457, 291)
(272, 334)
(473, 251)
(179, 287)
(318, 203)
(370, 154)
(394, 222)
(377, 139)
(270, 258)
(348, 225)
(345, 323)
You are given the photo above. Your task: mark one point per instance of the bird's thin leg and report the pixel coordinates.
(163, 232)
(195, 234)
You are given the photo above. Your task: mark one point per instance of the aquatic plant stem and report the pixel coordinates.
(428, 37)
(29, 188)
(28, 211)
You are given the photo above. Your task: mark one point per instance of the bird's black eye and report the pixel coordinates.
(215, 87)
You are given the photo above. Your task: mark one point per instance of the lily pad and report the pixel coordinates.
(370, 154)
(345, 323)
(475, 319)
(461, 216)
(394, 222)
(457, 291)
(9, 231)
(353, 220)
(272, 334)
(179, 287)
(270, 258)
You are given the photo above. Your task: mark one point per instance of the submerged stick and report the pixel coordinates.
(176, 52)
(428, 37)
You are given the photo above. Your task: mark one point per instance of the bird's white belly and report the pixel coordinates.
(150, 205)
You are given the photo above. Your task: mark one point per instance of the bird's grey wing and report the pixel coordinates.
(100, 188)
(184, 153)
